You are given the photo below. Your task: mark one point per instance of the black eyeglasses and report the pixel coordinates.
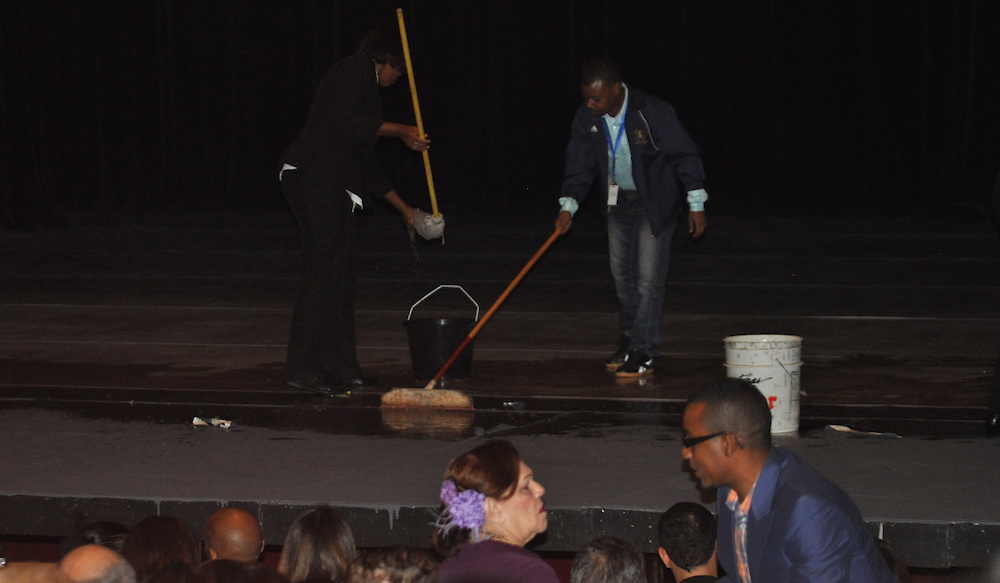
(693, 441)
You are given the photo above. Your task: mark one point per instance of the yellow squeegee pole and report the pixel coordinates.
(416, 109)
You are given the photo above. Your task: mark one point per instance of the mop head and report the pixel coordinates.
(426, 399)
(428, 226)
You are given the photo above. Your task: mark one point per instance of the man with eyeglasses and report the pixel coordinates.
(779, 519)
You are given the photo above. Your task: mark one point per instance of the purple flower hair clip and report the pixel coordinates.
(465, 509)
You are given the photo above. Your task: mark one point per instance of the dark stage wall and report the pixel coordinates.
(827, 107)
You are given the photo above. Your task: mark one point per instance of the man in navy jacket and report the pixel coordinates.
(779, 519)
(643, 162)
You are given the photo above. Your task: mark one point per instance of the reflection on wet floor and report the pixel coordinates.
(593, 418)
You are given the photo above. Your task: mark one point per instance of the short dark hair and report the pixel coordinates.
(737, 406)
(105, 533)
(603, 70)
(686, 531)
(608, 560)
(383, 47)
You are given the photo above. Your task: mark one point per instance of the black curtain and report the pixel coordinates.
(850, 107)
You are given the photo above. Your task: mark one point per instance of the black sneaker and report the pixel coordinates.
(637, 364)
(616, 360)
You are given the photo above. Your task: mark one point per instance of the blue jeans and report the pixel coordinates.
(639, 265)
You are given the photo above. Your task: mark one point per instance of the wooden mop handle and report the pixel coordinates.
(416, 109)
(510, 288)
(493, 308)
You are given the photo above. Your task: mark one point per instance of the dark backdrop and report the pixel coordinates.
(856, 106)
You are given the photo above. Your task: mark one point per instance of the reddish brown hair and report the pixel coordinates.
(493, 469)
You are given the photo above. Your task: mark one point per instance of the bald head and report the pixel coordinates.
(231, 533)
(96, 564)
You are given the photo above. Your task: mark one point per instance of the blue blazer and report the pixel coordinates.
(802, 527)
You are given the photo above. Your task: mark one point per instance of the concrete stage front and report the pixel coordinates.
(605, 474)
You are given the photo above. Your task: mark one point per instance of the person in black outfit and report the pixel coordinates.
(329, 171)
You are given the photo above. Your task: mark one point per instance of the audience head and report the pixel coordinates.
(319, 544)
(686, 533)
(159, 541)
(736, 407)
(233, 533)
(608, 560)
(232, 571)
(96, 564)
(489, 491)
(395, 565)
(727, 434)
(104, 533)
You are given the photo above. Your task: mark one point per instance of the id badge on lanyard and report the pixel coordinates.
(612, 194)
(612, 182)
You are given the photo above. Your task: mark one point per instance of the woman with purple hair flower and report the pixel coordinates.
(492, 507)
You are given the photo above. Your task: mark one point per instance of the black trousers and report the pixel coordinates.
(321, 343)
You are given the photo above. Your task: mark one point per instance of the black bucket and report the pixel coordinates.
(434, 340)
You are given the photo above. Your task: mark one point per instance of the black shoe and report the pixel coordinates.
(637, 365)
(993, 424)
(319, 387)
(614, 362)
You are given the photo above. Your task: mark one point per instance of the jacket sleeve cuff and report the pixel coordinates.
(696, 199)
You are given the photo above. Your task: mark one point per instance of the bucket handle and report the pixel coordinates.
(437, 289)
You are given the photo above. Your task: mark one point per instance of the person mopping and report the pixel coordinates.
(329, 171)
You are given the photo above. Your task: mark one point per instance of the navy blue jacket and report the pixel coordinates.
(802, 528)
(666, 163)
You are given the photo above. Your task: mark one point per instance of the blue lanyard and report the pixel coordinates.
(618, 140)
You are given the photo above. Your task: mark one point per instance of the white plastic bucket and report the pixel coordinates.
(771, 362)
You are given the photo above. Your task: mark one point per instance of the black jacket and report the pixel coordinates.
(339, 136)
